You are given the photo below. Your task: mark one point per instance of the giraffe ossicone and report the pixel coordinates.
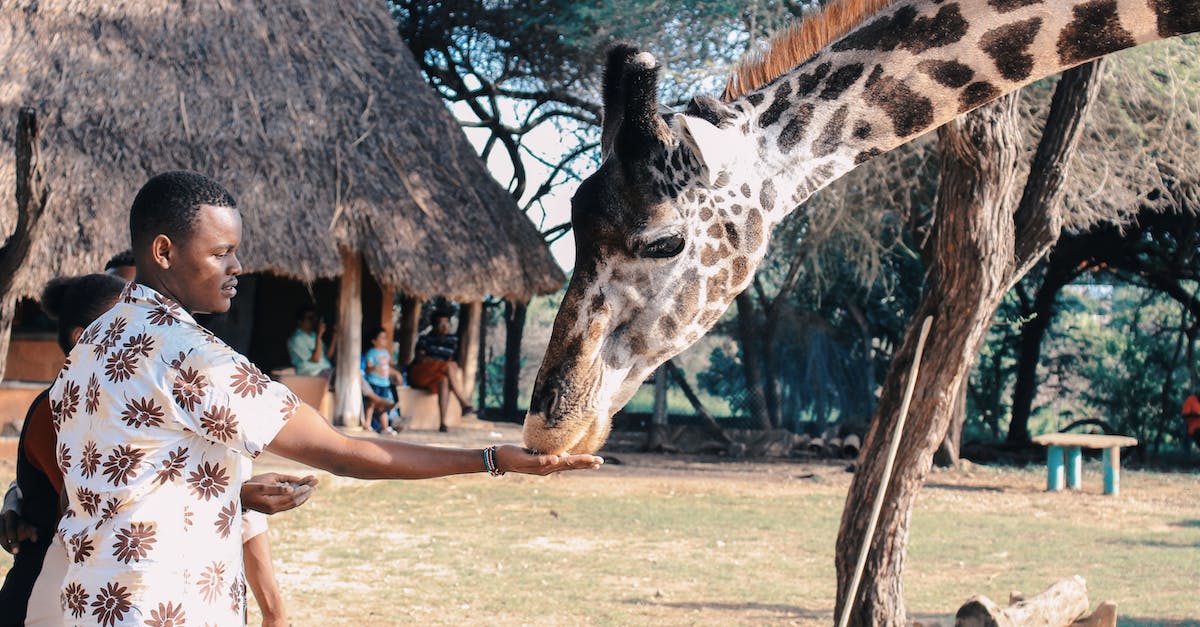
(673, 224)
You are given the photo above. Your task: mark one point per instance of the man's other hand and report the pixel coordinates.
(272, 492)
(14, 530)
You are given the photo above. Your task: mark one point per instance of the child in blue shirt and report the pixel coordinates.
(377, 369)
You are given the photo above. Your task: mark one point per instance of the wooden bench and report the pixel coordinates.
(1071, 443)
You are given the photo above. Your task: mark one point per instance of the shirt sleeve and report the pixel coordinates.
(228, 400)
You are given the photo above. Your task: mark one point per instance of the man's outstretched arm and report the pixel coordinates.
(309, 439)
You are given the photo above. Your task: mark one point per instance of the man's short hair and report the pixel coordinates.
(168, 203)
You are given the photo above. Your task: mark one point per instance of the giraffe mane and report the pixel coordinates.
(793, 45)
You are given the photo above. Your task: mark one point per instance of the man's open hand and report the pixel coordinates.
(516, 459)
(272, 492)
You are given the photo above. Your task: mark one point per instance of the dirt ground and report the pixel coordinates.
(655, 539)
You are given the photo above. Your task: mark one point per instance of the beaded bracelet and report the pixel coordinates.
(489, 462)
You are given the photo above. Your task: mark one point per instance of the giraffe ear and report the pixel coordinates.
(717, 148)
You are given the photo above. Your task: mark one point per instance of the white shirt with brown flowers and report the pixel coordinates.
(152, 413)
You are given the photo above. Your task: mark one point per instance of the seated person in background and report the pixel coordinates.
(379, 374)
(1191, 418)
(306, 346)
(434, 369)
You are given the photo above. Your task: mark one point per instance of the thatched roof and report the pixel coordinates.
(312, 113)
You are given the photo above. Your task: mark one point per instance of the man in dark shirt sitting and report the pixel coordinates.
(434, 368)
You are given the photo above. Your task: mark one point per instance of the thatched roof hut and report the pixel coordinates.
(312, 113)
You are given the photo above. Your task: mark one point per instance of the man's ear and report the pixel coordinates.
(160, 251)
(717, 148)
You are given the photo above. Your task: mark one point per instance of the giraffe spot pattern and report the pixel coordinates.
(1007, 6)
(717, 282)
(908, 111)
(807, 82)
(755, 98)
(780, 104)
(668, 325)
(710, 255)
(741, 270)
(794, 130)
(975, 95)
(862, 129)
(737, 210)
(866, 156)
(831, 136)
(715, 231)
(766, 197)
(745, 189)
(947, 73)
(1008, 46)
(1095, 31)
(1175, 17)
(754, 229)
(841, 80)
(903, 29)
(689, 294)
(731, 234)
(706, 214)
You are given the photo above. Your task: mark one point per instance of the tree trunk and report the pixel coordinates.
(1032, 334)
(975, 258)
(482, 367)
(347, 388)
(970, 271)
(947, 455)
(748, 329)
(469, 316)
(514, 317)
(659, 420)
(32, 193)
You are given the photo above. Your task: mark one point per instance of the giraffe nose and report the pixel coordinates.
(547, 404)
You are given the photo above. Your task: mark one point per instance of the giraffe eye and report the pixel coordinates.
(664, 247)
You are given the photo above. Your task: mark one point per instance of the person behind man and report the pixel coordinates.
(433, 368)
(155, 412)
(31, 509)
(121, 265)
(306, 346)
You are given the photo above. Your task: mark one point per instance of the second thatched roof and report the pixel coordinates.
(312, 113)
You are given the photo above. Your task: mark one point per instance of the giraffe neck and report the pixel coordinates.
(917, 65)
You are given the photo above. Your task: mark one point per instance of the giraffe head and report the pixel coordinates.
(665, 239)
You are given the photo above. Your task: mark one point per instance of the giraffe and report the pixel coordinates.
(674, 222)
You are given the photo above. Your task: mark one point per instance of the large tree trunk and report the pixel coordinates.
(514, 317)
(976, 257)
(32, 193)
(970, 271)
(748, 329)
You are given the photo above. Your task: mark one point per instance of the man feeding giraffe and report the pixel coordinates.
(676, 220)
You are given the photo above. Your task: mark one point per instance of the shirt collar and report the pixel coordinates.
(162, 306)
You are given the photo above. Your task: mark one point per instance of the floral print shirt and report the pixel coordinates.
(153, 413)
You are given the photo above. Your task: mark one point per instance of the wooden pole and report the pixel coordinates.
(410, 326)
(387, 313)
(887, 474)
(347, 391)
(469, 316)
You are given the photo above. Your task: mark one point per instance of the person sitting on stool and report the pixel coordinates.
(434, 369)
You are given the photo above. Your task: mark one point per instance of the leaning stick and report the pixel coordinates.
(887, 474)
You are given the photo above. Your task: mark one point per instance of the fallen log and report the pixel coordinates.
(1059, 605)
(850, 446)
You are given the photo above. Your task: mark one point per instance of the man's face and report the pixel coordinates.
(441, 325)
(204, 266)
(308, 322)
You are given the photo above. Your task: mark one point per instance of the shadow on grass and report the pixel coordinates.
(1186, 523)
(1162, 544)
(790, 611)
(963, 488)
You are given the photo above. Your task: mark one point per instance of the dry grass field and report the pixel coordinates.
(672, 540)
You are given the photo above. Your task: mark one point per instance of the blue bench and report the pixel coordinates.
(1064, 450)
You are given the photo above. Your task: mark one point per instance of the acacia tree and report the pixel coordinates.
(32, 193)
